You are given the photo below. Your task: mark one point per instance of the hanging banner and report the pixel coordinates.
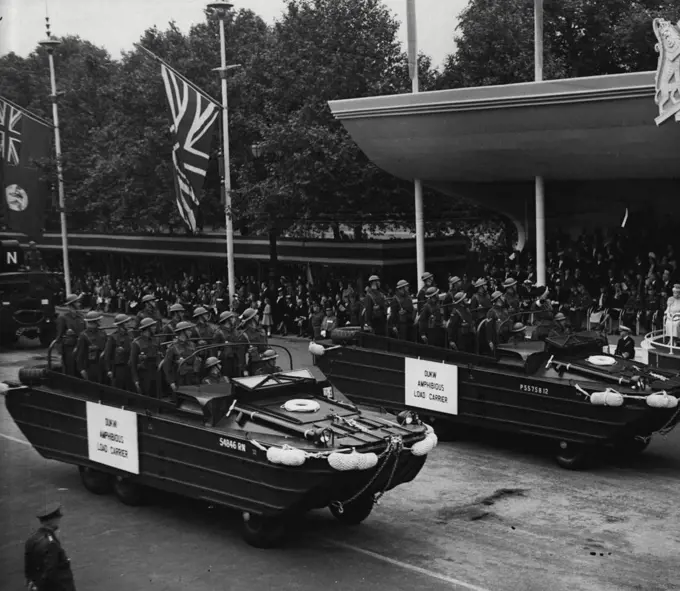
(112, 437)
(430, 385)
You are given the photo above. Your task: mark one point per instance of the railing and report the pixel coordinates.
(662, 338)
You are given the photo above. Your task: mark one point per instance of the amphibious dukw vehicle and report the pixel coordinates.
(271, 446)
(565, 389)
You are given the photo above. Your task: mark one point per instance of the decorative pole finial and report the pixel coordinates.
(47, 27)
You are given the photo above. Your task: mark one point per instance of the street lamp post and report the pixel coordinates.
(539, 191)
(221, 10)
(50, 44)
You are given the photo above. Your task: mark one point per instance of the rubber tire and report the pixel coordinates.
(572, 459)
(96, 481)
(264, 532)
(631, 447)
(344, 334)
(128, 492)
(355, 512)
(32, 375)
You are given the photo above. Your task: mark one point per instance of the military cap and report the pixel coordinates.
(495, 295)
(72, 299)
(624, 328)
(459, 297)
(149, 297)
(455, 279)
(120, 319)
(176, 308)
(184, 325)
(211, 362)
(402, 283)
(49, 511)
(518, 327)
(509, 282)
(373, 278)
(481, 282)
(93, 316)
(32, 243)
(226, 315)
(559, 317)
(425, 276)
(146, 323)
(431, 292)
(249, 314)
(200, 311)
(269, 354)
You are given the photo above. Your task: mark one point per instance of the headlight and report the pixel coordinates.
(408, 417)
(45, 302)
(321, 437)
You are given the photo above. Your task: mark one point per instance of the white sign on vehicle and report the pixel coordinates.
(112, 437)
(431, 385)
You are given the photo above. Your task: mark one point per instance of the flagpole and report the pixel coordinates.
(49, 44)
(417, 184)
(221, 10)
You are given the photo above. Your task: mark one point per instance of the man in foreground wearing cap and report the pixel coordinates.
(375, 308)
(144, 358)
(232, 357)
(430, 321)
(460, 328)
(625, 348)
(402, 313)
(254, 337)
(69, 326)
(178, 371)
(214, 369)
(91, 345)
(268, 365)
(46, 567)
(117, 354)
(428, 282)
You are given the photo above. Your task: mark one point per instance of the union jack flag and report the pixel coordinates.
(10, 134)
(193, 126)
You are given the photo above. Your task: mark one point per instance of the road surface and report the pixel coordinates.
(483, 515)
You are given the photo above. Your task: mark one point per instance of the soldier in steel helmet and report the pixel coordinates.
(69, 326)
(203, 333)
(177, 313)
(375, 308)
(90, 347)
(268, 363)
(144, 358)
(254, 337)
(431, 320)
(46, 567)
(214, 369)
(402, 313)
(117, 354)
(180, 365)
(232, 357)
(428, 282)
(149, 310)
(460, 328)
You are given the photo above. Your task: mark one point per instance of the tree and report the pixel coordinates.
(581, 38)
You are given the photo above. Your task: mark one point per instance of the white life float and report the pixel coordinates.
(343, 462)
(316, 349)
(425, 446)
(601, 360)
(664, 400)
(301, 405)
(288, 456)
(606, 398)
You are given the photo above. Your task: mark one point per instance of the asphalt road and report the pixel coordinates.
(483, 515)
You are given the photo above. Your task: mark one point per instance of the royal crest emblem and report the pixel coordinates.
(668, 70)
(17, 198)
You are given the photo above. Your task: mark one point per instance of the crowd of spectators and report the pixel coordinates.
(593, 278)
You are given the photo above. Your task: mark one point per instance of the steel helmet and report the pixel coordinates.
(176, 308)
(93, 316)
(72, 299)
(146, 323)
(518, 327)
(249, 314)
(402, 283)
(227, 315)
(121, 319)
(373, 278)
(184, 325)
(200, 311)
(269, 354)
(148, 298)
(211, 362)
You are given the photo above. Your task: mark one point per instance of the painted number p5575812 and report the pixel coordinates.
(533, 389)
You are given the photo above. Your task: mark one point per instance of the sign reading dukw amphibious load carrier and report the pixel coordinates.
(112, 437)
(431, 386)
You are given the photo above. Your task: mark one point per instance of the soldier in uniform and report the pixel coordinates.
(69, 326)
(214, 369)
(460, 328)
(559, 327)
(46, 567)
(500, 319)
(430, 321)
(480, 303)
(625, 347)
(512, 300)
(144, 358)
(254, 338)
(203, 333)
(329, 322)
(149, 310)
(176, 312)
(375, 308)
(455, 285)
(177, 371)
(428, 282)
(91, 345)
(268, 365)
(220, 299)
(517, 334)
(543, 313)
(402, 313)
(117, 354)
(232, 358)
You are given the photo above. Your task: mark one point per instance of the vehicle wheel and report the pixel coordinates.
(632, 446)
(129, 493)
(344, 334)
(571, 456)
(263, 532)
(96, 481)
(355, 512)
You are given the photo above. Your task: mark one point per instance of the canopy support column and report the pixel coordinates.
(420, 230)
(540, 231)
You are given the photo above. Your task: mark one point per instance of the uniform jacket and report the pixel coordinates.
(625, 345)
(117, 351)
(69, 327)
(143, 356)
(91, 344)
(402, 310)
(176, 353)
(375, 307)
(46, 564)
